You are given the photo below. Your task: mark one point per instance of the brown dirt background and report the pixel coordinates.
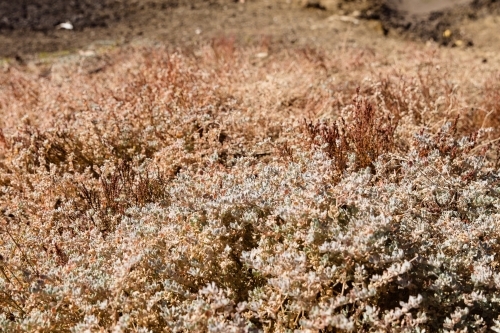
(28, 28)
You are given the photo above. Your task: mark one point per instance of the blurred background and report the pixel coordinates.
(40, 26)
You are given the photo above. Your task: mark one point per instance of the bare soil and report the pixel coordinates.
(444, 21)
(30, 27)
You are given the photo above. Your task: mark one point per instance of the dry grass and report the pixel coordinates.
(186, 192)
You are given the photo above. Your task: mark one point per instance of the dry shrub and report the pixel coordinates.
(114, 193)
(175, 192)
(368, 136)
(489, 107)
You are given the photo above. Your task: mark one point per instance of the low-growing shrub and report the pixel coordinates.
(369, 136)
(183, 193)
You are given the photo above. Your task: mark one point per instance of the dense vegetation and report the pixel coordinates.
(228, 190)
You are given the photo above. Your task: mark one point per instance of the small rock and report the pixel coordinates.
(350, 19)
(66, 26)
(356, 13)
(323, 4)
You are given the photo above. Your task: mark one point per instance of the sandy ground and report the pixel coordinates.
(30, 32)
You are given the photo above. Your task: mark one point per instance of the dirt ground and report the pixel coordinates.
(30, 28)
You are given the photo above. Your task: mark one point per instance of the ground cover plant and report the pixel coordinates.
(226, 191)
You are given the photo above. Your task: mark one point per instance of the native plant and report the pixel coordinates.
(186, 193)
